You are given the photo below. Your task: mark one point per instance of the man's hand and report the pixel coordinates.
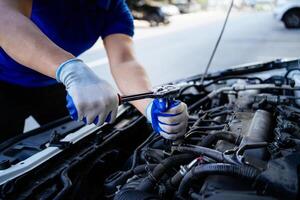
(90, 98)
(170, 121)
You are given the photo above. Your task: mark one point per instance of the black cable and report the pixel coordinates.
(200, 151)
(232, 77)
(208, 128)
(225, 112)
(210, 139)
(199, 172)
(134, 159)
(66, 182)
(183, 89)
(198, 103)
(149, 182)
(210, 121)
(217, 43)
(289, 71)
(129, 194)
(215, 109)
(191, 133)
(143, 168)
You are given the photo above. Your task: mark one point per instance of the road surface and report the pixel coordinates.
(182, 49)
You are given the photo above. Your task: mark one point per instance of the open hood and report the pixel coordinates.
(243, 141)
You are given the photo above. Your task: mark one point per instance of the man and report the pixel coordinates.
(40, 40)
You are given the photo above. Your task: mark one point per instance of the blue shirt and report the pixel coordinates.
(74, 25)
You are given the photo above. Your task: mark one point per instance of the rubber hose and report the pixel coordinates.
(245, 172)
(149, 182)
(135, 195)
(175, 180)
(120, 177)
(143, 168)
(198, 103)
(213, 138)
(208, 128)
(199, 151)
(225, 112)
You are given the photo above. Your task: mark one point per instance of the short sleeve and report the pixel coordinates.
(118, 19)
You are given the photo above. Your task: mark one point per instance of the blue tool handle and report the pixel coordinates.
(164, 104)
(74, 114)
(160, 106)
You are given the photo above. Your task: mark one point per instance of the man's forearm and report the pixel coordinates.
(131, 78)
(24, 42)
(129, 75)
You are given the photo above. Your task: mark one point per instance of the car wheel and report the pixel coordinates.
(291, 19)
(154, 20)
(166, 22)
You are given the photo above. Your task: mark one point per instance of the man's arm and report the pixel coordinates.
(90, 98)
(22, 40)
(131, 78)
(129, 75)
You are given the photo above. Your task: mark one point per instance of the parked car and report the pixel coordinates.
(288, 11)
(186, 6)
(252, 3)
(169, 10)
(155, 14)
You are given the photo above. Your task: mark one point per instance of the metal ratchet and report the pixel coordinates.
(165, 91)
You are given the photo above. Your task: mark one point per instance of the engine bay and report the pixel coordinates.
(242, 142)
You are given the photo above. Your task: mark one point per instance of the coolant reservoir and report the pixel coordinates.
(295, 75)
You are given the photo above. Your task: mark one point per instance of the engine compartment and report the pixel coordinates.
(234, 139)
(242, 141)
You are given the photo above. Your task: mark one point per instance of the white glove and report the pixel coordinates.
(169, 119)
(90, 98)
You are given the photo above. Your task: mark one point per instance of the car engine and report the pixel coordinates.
(242, 142)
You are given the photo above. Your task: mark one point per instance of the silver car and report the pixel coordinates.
(288, 11)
